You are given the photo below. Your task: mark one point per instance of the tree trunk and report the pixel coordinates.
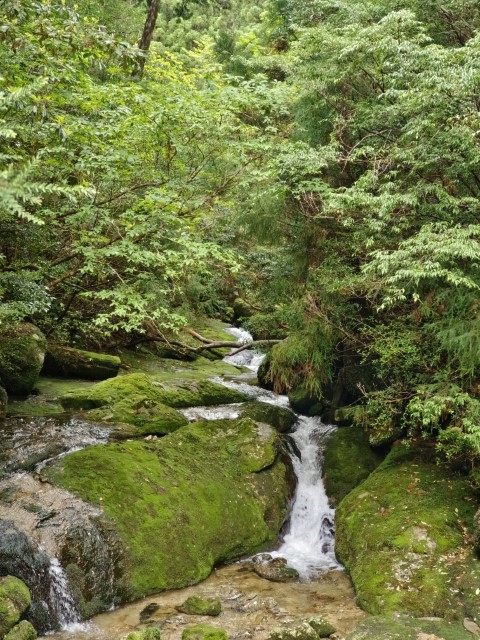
(147, 34)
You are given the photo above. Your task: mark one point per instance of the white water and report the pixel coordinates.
(309, 544)
(61, 600)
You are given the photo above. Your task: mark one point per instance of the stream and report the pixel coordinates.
(251, 605)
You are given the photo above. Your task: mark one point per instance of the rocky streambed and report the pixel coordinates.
(143, 483)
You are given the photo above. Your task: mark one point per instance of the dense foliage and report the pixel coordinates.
(331, 149)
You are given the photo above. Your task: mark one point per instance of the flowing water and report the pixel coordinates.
(251, 604)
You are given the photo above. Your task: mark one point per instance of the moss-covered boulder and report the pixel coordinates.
(204, 632)
(407, 628)
(150, 633)
(321, 626)
(241, 309)
(187, 501)
(143, 387)
(76, 363)
(22, 352)
(302, 401)
(22, 631)
(197, 606)
(280, 418)
(402, 534)
(144, 416)
(14, 601)
(348, 460)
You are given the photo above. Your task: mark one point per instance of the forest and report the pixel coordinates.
(308, 170)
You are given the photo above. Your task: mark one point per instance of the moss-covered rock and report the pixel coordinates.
(302, 401)
(321, 626)
(204, 632)
(184, 502)
(348, 460)
(146, 417)
(197, 606)
(407, 628)
(300, 632)
(274, 569)
(14, 601)
(263, 373)
(22, 351)
(3, 402)
(150, 633)
(139, 386)
(280, 418)
(22, 631)
(75, 363)
(401, 535)
(241, 309)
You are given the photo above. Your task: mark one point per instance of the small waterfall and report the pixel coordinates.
(309, 544)
(61, 600)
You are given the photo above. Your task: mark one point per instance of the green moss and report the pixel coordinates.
(46, 403)
(138, 387)
(321, 626)
(22, 631)
(149, 418)
(22, 351)
(348, 460)
(70, 362)
(279, 418)
(401, 536)
(406, 628)
(204, 632)
(14, 601)
(185, 502)
(197, 606)
(150, 633)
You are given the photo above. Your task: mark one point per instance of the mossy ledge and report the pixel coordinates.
(210, 492)
(135, 385)
(403, 536)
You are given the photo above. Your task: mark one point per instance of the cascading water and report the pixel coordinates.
(61, 600)
(308, 545)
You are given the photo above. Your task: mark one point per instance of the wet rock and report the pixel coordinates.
(75, 363)
(300, 632)
(321, 626)
(22, 631)
(3, 402)
(198, 606)
(14, 601)
(263, 374)
(408, 628)
(22, 352)
(275, 570)
(302, 401)
(280, 418)
(399, 535)
(348, 460)
(74, 533)
(204, 632)
(148, 611)
(210, 491)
